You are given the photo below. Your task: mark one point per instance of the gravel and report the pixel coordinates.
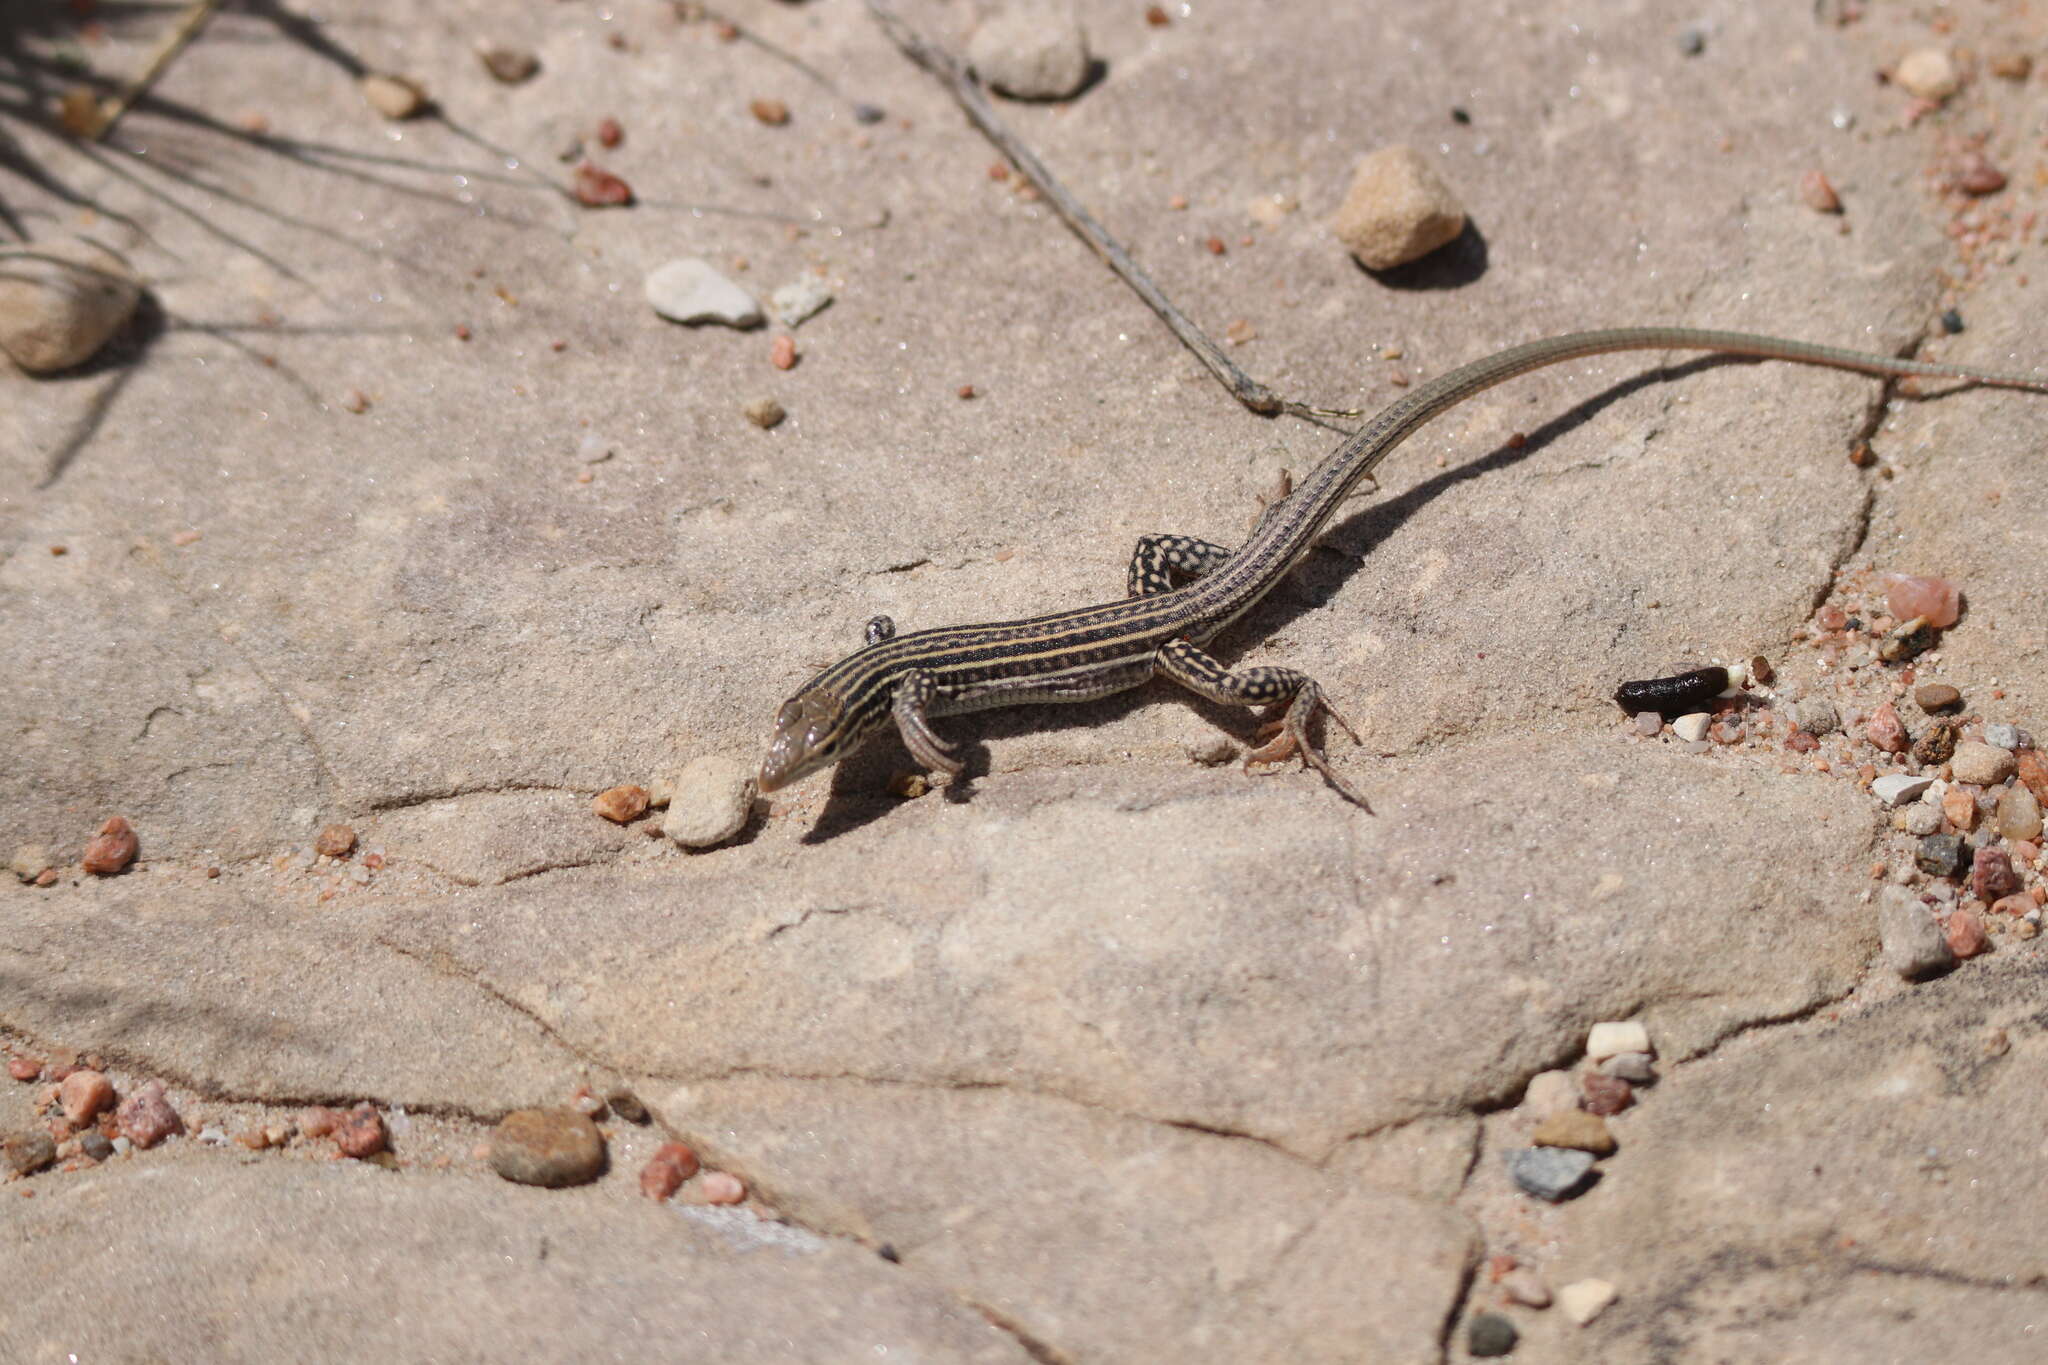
(1552, 1173)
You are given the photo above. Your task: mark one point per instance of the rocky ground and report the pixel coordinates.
(396, 526)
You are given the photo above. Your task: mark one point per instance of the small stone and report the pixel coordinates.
(1490, 1334)
(714, 795)
(1692, 40)
(319, 1121)
(1921, 819)
(1982, 765)
(1937, 599)
(361, 1132)
(1817, 193)
(1267, 210)
(212, 1135)
(764, 413)
(1992, 876)
(1896, 789)
(394, 97)
(803, 297)
(510, 65)
(1761, 672)
(94, 1144)
(720, 1187)
(31, 861)
(1914, 945)
(1649, 724)
(1623, 1035)
(620, 805)
(122, 1146)
(146, 1117)
(692, 291)
(335, 841)
(1397, 210)
(1935, 747)
(355, 400)
(1817, 716)
(1929, 73)
(61, 299)
(24, 1068)
(1907, 640)
(1933, 697)
(774, 113)
(255, 1139)
(84, 1094)
(1605, 1095)
(548, 1147)
(1211, 750)
(2016, 905)
(2012, 66)
(2002, 735)
(659, 1179)
(1526, 1287)
(1634, 1067)
(1965, 934)
(1959, 807)
(28, 1151)
(627, 1105)
(1575, 1129)
(1885, 730)
(1942, 855)
(2031, 768)
(1977, 176)
(2019, 814)
(1584, 1300)
(1031, 52)
(1550, 1092)
(597, 188)
(112, 849)
(782, 353)
(1552, 1173)
(1692, 728)
(610, 133)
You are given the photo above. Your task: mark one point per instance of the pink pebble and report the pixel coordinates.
(1886, 730)
(24, 1068)
(1992, 876)
(721, 1187)
(146, 1117)
(1965, 933)
(2015, 904)
(659, 1179)
(84, 1094)
(361, 1132)
(1937, 599)
(319, 1121)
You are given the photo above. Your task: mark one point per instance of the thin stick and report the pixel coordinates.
(967, 92)
(114, 106)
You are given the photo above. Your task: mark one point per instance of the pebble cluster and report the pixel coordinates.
(1962, 788)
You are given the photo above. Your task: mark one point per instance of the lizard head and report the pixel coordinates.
(813, 730)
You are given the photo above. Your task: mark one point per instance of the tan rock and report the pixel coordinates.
(1397, 210)
(60, 301)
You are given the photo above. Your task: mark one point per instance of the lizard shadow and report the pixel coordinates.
(852, 804)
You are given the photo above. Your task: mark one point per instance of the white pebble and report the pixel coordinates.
(1928, 73)
(690, 290)
(1397, 210)
(1896, 789)
(593, 448)
(799, 299)
(1584, 1300)
(1616, 1036)
(1692, 728)
(1526, 1287)
(1031, 52)
(711, 801)
(60, 300)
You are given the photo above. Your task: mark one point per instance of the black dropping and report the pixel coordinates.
(887, 1252)
(1459, 114)
(1951, 321)
(1677, 695)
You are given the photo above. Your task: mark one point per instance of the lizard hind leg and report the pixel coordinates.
(1285, 737)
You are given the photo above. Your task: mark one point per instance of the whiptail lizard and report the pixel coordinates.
(1160, 628)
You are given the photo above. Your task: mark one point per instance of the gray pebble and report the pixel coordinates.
(1922, 819)
(2002, 736)
(1941, 855)
(1031, 52)
(713, 797)
(869, 114)
(691, 290)
(799, 299)
(1914, 945)
(95, 1145)
(212, 1136)
(1649, 723)
(122, 1146)
(1551, 1173)
(1490, 1334)
(60, 300)
(1692, 41)
(1817, 716)
(1634, 1067)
